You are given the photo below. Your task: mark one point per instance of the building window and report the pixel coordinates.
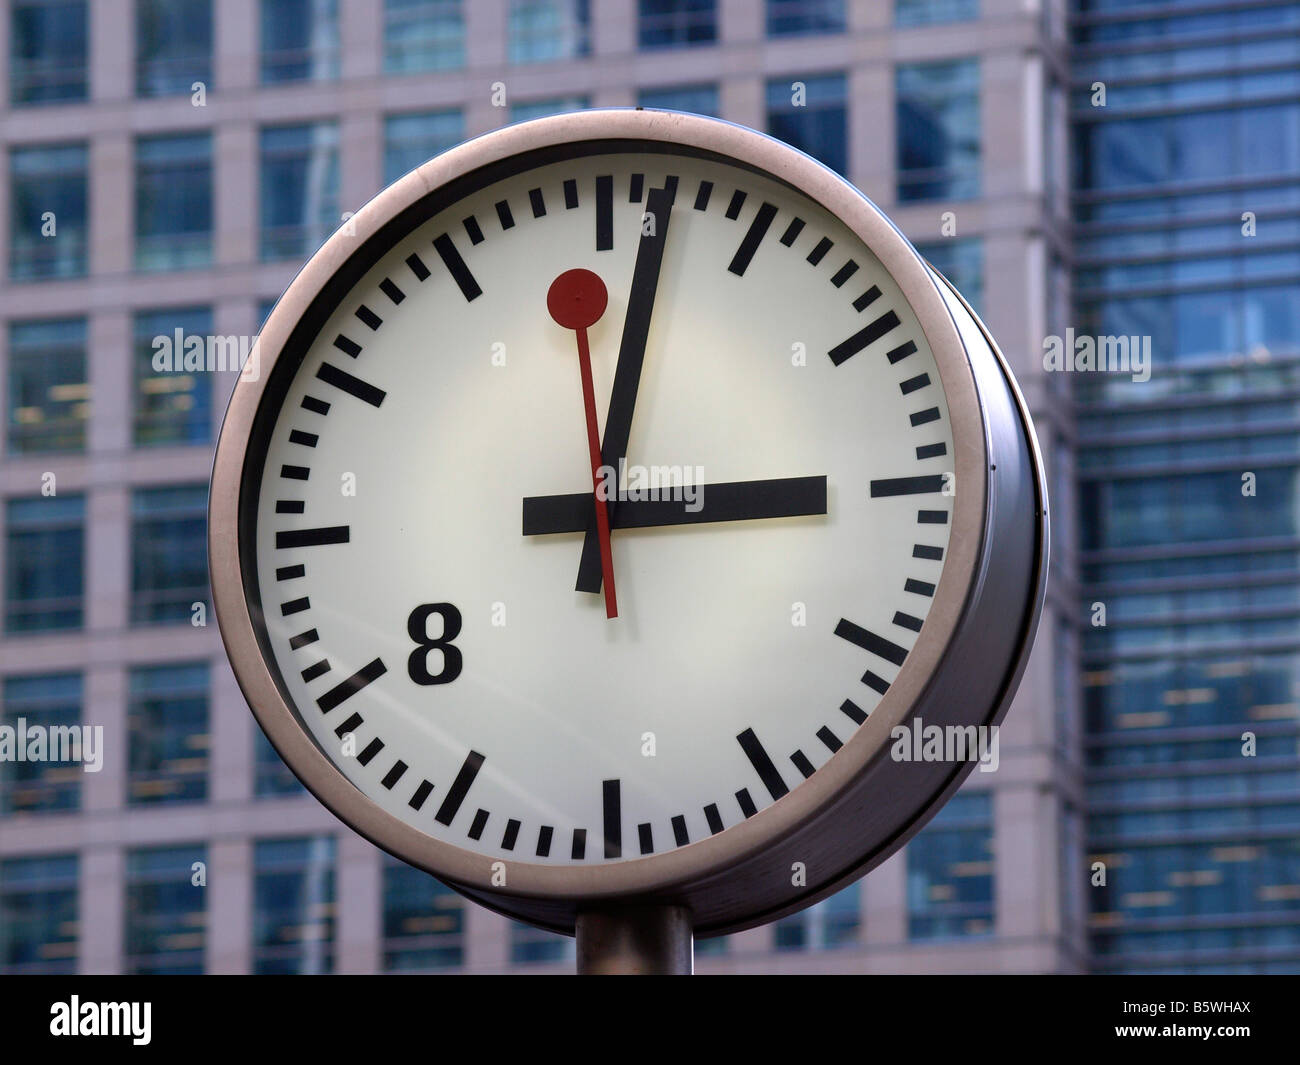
(38, 914)
(423, 35)
(169, 568)
(173, 46)
(529, 944)
(300, 40)
(812, 115)
(542, 30)
(47, 214)
(173, 404)
(166, 914)
(300, 189)
(47, 703)
(794, 18)
(961, 261)
(43, 550)
(938, 115)
(271, 777)
(49, 398)
(410, 140)
(950, 871)
(47, 51)
(167, 720)
(173, 202)
(927, 12)
(831, 923)
(675, 23)
(424, 922)
(293, 899)
(698, 99)
(541, 108)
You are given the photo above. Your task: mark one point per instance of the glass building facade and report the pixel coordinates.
(1187, 212)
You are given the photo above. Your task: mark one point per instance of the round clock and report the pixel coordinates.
(614, 493)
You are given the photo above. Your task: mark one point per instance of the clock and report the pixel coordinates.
(611, 492)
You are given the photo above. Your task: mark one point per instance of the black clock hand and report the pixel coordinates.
(784, 497)
(627, 371)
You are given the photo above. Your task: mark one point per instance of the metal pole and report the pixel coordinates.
(636, 941)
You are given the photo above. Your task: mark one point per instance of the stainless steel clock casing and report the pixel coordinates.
(861, 806)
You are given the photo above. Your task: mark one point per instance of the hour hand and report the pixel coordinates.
(784, 497)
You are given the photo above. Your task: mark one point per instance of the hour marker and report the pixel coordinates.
(579, 849)
(714, 818)
(702, 197)
(762, 763)
(852, 710)
(611, 800)
(504, 216)
(316, 406)
(570, 194)
(737, 202)
(303, 639)
(368, 317)
(792, 231)
(354, 386)
(829, 738)
(931, 451)
(680, 835)
(455, 265)
(544, 835)
(349, 726)
(901, 352)
(473, 230)
(906, 486)
(389, 289)
(867, 298)
(338, 694)
(348, 347)
(913, 383)
(646, 838)
(819, 250)
(327, 534)
(319, 669)
(511, 834)
(746, 803)
(918, 587)
(394, 774)
(802, 764)
(636, 188)
(604, 212)
(305, 439)
(295, 606)
(417, 266)
(421, 793)
(932, 517)
(288, 573)
(907, 621)
(478, 824)
(865, 336)
(869, 641)
(753, 238)
(844, 273)
(924, 417)
(295, 473)
(459, 788)
(537, 203)
(935, 554)
(289, 506)
(372, 748)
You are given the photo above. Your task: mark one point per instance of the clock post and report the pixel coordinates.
(635, 941)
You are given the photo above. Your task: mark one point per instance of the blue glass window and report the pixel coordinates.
(293, 905)
(676, 23)
(38, 914)
(49, 397)
(44, 563)
(51, 701)
(424, 921)
(543, 30)
(173, 376)
(300, 40)
(300, 189)
(950, 871)
(423, 35)
(166, 912)
(792, 18)
(173, 46)
(48, 222)
(698, 99)
(167, 717)
(173, 201)
(812, 115)
(169, 553)
(47, 51)
(938, 119)
(414, 139)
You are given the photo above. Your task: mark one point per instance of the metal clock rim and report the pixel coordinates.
(672, 873)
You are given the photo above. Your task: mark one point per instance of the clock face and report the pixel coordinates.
(773, 452)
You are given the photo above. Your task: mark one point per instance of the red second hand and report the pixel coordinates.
(576, 300)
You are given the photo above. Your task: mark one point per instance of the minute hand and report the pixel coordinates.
(627, 372)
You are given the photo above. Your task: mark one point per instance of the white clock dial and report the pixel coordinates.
(426, 490)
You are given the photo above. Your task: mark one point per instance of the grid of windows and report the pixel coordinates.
(49, 397)
(166, 915)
